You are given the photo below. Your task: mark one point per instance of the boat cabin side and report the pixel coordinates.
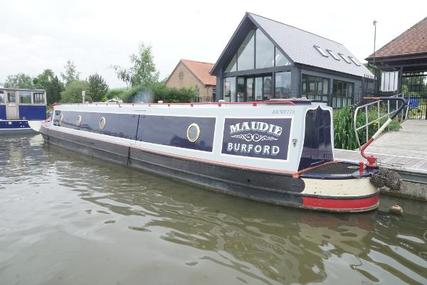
(274, 137)
(22, 104)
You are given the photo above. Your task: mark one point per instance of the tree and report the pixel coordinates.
(70, 73)
(73, 92)
(19, 80)
(98, 88)
(143, 70)
(48, 81)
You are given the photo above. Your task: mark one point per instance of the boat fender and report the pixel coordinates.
(388, 178)
(396, 209)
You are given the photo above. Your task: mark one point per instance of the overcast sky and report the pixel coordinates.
(35, 35)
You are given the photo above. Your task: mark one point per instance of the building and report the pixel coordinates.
(402, 63)
(194, 74)
(266, 59)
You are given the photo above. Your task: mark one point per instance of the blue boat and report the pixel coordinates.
(20, 108)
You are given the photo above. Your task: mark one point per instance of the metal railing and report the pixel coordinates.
(382, 109)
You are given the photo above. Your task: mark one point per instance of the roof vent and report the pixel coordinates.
(354, 60)
(344, 58)
(333, 55)
(320, 50)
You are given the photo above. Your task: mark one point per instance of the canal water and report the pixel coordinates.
(68, 219)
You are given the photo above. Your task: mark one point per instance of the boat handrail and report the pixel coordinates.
(365, 107)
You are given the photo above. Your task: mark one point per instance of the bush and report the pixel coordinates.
(73, 92)
(173, 95)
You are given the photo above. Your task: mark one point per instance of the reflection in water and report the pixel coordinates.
(225, 238)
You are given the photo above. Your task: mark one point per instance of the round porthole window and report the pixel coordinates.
(79, 120)
(193, 132)
(61, 119)
(102, 123)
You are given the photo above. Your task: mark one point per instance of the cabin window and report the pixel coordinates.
(264, 51)
(2, 101)
(283, 85)
(11, 97)
(25, 97)
(230, 89)
(38, 98)
(315, 88)
(246, 53)
(342, 94)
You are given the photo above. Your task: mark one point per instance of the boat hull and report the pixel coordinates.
(283, 189)
(15, 127)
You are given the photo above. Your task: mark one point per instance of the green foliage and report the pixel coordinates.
(173, 95)
(98, 88)
(73, 92)
(116, 93)
(19, 80)
(70, 73)
(143, 70)
(48, 81)
(344, 136)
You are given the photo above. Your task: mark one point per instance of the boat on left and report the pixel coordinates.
(21, 110)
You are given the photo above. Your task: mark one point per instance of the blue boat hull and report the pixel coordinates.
(15, 127)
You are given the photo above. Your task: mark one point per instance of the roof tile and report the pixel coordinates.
(412, 41)
(200, 70)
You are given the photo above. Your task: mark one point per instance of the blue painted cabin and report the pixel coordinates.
(22, 104)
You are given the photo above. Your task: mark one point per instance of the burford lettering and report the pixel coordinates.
(243, 148)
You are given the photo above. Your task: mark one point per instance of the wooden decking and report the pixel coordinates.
(404, 151)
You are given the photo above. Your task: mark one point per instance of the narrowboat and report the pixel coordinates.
(277, 151)
(21, 107)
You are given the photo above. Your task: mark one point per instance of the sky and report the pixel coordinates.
(35, 35)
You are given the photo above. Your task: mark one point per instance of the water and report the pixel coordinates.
(67, 219)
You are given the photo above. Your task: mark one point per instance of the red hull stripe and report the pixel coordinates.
(340, 203)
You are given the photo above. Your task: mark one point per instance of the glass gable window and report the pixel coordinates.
(280, 59)
(283, 85)
(245, 59)
(25, 97)
(230, 89)
(264, 51)
(315, 88)
(342, 94)
(232, 66)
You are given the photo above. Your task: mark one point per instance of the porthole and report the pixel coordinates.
(61, 119)
(79, 120)
(102, 123)
(193, 132)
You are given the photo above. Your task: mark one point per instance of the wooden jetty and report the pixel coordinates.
(402, 151)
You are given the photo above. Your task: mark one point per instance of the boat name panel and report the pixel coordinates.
(254, 137)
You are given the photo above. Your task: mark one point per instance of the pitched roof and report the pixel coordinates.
(299, 46)
(200, 70)
(412, 41)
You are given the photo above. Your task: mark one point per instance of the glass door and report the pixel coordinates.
(12, 111)
(250, 89)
